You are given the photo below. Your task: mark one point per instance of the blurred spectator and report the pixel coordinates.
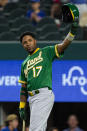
(13, 0)
(53, 129)
(2, 4)
(64, 1)
(56, 12)
(1, 127)
(35, 14)
(11, 123)
(27, 129)
(73, 124)
(82, 6)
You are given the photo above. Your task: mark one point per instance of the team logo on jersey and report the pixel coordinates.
(31, 63)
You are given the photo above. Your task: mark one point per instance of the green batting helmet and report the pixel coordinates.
(70, 13)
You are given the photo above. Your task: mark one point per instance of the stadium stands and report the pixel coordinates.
(4, 28)
(51, 36)
(17, 23)
(3, 20)
(13, 19)
(48, 28)
(25, 28)
(9, 8)
(44, 21)
(16, 14)
(7, 36)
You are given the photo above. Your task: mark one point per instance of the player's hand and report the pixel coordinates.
(74, 26)
(22, 113)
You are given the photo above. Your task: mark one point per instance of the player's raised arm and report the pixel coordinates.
(67, 41)
(75, 20)
(23, 100)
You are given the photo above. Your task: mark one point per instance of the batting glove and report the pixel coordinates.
(22, 113)
(74, 27)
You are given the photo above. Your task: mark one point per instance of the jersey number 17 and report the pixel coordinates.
(36, 71)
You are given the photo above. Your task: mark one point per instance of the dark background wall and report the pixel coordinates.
(14, 50)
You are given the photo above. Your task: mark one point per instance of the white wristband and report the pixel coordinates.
(70, 36)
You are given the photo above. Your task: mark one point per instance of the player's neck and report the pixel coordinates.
(31, 53)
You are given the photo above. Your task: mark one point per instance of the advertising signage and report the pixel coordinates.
(69, 81)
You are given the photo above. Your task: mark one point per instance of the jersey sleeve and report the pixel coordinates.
(52, 52)
(22, 78)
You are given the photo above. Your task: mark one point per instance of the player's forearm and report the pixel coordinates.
(22, 102)
(23, 96)
(64, 45)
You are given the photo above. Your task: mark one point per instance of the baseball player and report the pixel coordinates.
(36, 76)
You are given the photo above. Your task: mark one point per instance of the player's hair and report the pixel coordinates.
(28, 33)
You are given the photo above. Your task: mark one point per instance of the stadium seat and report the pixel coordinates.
(64, 29)
(46, 10)
(53, 36)
(47, 5)
(3, 20)
(79, 34)
(1, 13)
(9, 8)
(23, 6)
(4, 28)
(19, 22)
(16, 14)
(28, 7)
(24, 1)
(7, 36)
(44, 21)
(47, 29)
(48, 1)
(63, 26)
(25, 28)
(85, 33)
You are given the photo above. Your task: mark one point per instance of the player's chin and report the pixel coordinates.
(29, 50)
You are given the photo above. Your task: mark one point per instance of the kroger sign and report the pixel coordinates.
(70, 81)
